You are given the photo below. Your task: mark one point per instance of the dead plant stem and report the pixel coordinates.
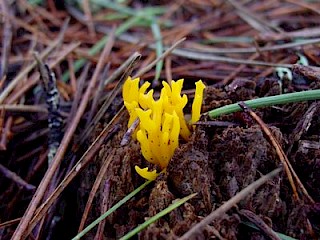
(229, 204)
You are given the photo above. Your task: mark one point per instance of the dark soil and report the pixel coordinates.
(216, 163)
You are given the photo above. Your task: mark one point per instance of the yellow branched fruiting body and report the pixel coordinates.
(161, 121)
(130, 90)
(197, 102)
(145, 100)
(176, 103)
(143, 172)
(130, 94)
(135, 97)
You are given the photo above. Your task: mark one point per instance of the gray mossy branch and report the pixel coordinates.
(55, 120)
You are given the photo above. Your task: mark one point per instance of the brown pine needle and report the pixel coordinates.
(20, 232)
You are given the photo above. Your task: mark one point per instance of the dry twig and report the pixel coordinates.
(229, 204)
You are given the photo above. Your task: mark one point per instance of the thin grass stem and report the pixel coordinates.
(267, 101)
(111, 210)
(157, 216)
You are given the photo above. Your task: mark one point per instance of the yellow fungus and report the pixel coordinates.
(174, 102)
(143, 172)
(130, 91)
(131, 107)
(161, 121)
(145, 100)
(197, 102)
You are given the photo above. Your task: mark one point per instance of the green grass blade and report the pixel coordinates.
(157, 216)
(111, 210)
(228, 40)
(115, 16)
(142, 17)
(99, 45)
(267, 101)
(114, 6)
(36, 2)
(280, 235)
(159, 47)
(148, 11)
(138, 18)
